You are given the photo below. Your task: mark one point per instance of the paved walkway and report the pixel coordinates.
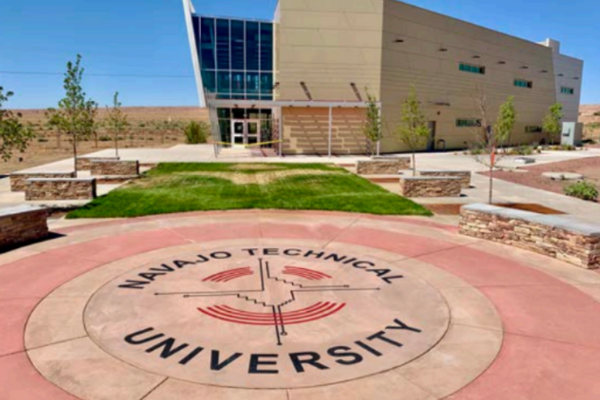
(292, 305)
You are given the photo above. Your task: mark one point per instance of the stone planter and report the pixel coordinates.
(60, 189)
(465, 176)
(430, 186)
(383, 166)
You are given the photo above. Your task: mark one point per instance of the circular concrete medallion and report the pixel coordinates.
(280, 317)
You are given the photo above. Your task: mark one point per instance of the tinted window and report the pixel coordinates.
(237, 45)
(207, 43)
(266, 47)
(223, 44)
(252, 48)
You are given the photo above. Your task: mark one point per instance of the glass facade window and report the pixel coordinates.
(236, 57)
(475, 69)
(468, 123)
(533, 129)
(523, 83)
(567, 90)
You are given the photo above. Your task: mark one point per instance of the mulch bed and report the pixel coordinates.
(588, 167)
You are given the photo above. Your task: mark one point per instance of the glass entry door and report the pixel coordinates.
(244, 132)
(238, 133)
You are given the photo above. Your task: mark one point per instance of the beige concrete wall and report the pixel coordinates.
(418, 61)
(306, 130)
(328, 44)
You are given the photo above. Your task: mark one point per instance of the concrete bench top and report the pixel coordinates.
(22, 209)
(61, 179)
(387, 158)
(42, 173)
(454, 171)
(104, 160)
(548, 220)
(430, 178)
(99, 158)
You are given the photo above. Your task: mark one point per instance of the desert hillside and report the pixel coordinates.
(590, 116)
(148, 128)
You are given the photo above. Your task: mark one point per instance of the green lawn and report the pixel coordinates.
(181, 187)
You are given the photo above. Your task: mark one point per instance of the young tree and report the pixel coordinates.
(74, 116)
(14, 135)
(116, 121)
(507, 118)
(493, 136)
(372, 127)
(413, 129)
(552, 122)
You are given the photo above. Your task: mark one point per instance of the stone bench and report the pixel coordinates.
(60, 189)
(22, 224)
(115, 168)
(577, 243)
(18, 180)
(382, 165)
(465, 176)
(85, 163)
(430, 186)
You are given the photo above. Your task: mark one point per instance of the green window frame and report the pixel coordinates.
(533, 129)
(468, 123)
(475, 69)
(523, 83)
(567, 90)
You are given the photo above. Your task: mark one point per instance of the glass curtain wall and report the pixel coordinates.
(236, 57)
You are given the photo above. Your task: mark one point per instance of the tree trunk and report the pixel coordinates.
(96, 139)
(117, 144)
(75, 152)
(491, 182)
(414, 163)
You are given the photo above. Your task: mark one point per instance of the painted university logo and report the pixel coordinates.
(285, 316)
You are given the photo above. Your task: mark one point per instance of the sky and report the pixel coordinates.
(140, 47)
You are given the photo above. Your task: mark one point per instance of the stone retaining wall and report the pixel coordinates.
(85, 163)
(18, 180)
(382, 166)
(425, 186)
(115, 168)
(465, 176)
(22, 225)
(571, 241)
(61, 189)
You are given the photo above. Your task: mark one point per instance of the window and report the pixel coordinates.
(236, 57)
(468, 123)
(567, 90)
(472, 68)
(533, 129)
(523, 83)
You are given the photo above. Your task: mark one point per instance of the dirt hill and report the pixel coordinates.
(145, 131)
(590, 116)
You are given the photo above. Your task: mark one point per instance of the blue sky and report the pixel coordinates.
(146, 41)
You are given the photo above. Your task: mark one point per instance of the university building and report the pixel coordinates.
(301, 81)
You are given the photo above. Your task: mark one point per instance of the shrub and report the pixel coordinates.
(522, 151)
(597, 114)
(582, 190)
(196, 133)
(568, 147)
(42, 140)
(105, 138)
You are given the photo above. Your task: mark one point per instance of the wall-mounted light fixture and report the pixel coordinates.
(476, 57)
(443, 49)
(544, 71)
(502, 62)
(524, 67)
(576, 78)
(398, 40)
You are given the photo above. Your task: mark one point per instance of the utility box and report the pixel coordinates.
(572, 134)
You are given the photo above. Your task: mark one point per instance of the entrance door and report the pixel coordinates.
(238, 133)
(431, 142)
(244, 132)
(253, 132)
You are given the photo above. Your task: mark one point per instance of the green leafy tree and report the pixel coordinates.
(116, 121)
(75, 115)
(372, 126)
(413, 129)
(552, 122)
(507, 118)
(14, 134)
